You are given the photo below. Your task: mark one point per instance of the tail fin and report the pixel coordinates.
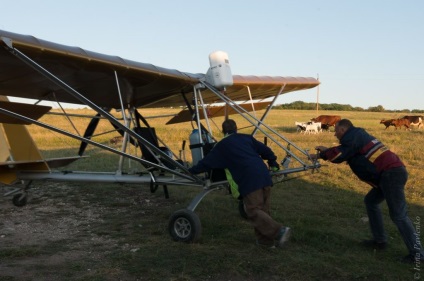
(17, 145)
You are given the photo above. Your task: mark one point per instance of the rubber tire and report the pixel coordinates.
(18, 201)
(184, 226)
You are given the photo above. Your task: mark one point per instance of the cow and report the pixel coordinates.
(387, 122)
(327, 120)
(308, 127)
(325, 127)
(313, 128)
(401, 122)
(300, 126)
(414, 120)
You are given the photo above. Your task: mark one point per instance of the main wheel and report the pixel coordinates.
(19, 200)
(184, 226)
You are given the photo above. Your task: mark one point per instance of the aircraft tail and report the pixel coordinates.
(17, 146)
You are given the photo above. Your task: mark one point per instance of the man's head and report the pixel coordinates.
(229, 126)
(341, 127)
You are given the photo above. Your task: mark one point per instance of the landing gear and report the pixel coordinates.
(20, 195)
(184, 226)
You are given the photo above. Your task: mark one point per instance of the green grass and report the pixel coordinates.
(121, 231)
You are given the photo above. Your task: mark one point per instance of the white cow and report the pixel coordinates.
(308, 127)
(417, 121)
(301, 126)
(413, 120)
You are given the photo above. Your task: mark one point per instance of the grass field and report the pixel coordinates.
(74, 231)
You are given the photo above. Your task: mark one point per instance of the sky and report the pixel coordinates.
(365, 53)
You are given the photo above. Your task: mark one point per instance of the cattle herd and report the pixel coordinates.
(407, 121)
(324, 122)
(318, 124)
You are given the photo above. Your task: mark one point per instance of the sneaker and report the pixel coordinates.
(283, 236)
(374, 245)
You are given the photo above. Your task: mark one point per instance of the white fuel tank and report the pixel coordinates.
(219, 72)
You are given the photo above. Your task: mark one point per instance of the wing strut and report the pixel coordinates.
(89, 133)
(196, 106)
(126, 122)
(268, 110)
(251, 100)
(204, 112)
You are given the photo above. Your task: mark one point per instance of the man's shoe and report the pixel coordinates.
(283, 236)
(372, 244)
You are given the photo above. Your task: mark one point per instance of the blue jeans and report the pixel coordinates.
(391, 188)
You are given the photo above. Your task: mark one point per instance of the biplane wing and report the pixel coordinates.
(45, 71)
(93, 74)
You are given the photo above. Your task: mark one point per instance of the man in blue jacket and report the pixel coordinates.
(375, 164)
(243, 156)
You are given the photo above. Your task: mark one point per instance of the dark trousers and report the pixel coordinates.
(391, 188)
(257, 205)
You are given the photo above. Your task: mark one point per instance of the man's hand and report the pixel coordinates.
(273, 165)
(275, 168)
(313, 157)
(321, 148)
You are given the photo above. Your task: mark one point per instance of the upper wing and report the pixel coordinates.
(93, 75)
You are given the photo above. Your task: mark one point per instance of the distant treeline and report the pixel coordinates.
(300, 105)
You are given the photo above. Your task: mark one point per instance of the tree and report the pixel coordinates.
(378, 108)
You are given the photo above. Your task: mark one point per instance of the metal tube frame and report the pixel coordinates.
(103, 113)
(192, 180)
(257, 123)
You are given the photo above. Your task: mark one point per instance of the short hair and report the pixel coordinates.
(345, 123)
(228, 126)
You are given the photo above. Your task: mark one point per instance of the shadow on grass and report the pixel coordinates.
(328, 224)
(120, 232)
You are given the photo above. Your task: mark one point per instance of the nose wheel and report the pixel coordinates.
(184, 226)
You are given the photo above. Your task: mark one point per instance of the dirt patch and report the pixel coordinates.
(63, 235)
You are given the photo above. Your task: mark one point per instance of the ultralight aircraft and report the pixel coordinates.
(44, 71)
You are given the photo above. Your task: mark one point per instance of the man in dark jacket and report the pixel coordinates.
(243, 156)
(376, 165)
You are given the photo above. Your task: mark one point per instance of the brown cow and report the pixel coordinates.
(414, 120)
(387, 122)
(401, 122)
(327, 120)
